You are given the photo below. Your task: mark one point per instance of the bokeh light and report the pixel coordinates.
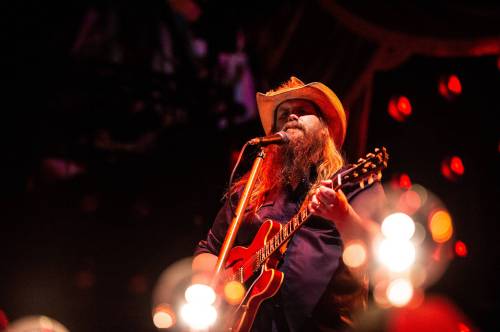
(405, 245)
(234, 292)
(396, 255)
(200, 294)
(452, 168)
(409, 202)
(400, 292)
(354, 254)
(198, 316)
(460, 249)
(449, 86)
(36, 323)
(398, 226)
(440, 225)
(164, 317)
(399, 108)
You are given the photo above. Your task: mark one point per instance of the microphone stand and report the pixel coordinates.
(238, 218)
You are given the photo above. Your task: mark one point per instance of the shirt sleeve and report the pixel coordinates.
(213, 242)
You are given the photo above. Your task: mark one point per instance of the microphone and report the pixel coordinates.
(279, 138)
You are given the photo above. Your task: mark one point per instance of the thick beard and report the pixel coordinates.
(292, 163)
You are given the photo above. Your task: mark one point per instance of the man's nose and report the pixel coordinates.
(293, 117)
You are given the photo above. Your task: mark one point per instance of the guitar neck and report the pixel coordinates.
(367, 169)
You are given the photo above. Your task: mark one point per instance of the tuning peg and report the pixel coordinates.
(360, 160)
(379, 175)
(376, 150)
(364, 170)
(355, 174)
(370, 155)
(370, 180)
(362, 184)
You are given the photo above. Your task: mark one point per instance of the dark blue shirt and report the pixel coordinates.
(312, 257)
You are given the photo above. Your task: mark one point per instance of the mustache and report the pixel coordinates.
(294, 125)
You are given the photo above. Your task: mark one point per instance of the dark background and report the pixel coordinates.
(113, 169)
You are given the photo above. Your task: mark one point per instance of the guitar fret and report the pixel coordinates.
(304, 215)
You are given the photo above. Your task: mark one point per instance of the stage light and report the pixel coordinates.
(456, 165)
(452, 168)
(164, 317)
(396, 255)
(401, 181)
(454, 85)
(460, 249)
(399, 108)
(234, 292)
(398, 226)
(200, 294)
(400, 292)
(440, 225)
(198, 316)
(449, 86)
(354, 254)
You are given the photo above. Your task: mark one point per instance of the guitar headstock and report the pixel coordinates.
(366, 169)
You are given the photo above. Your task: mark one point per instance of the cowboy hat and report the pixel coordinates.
(328, 103)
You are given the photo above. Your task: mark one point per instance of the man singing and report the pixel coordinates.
(319, 293)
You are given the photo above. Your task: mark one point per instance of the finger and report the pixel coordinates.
(327, 183)
(327, 194)
(325, 199)
(315, 202)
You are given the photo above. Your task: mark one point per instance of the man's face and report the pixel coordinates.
(298, 118)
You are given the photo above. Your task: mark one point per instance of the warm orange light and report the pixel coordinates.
(234, 292)
(399, 108)
(163, 317)
(440, 226)
(457, 166)
(460, 249)
(354, 254)
(454, 85)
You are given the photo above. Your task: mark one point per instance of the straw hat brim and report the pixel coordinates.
(329, 105)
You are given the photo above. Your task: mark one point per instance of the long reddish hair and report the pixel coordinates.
(325, 165)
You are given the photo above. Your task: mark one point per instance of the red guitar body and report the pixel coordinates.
(259, 286)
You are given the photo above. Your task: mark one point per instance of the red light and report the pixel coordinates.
(460, 249)
(454, 85)
(404, 181)
(463, 328)
(452, 168)
(457, 166)
(399, 108)
(449, 86)
(404, 105)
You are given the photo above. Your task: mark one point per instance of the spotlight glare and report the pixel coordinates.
(398, 226)
(200, 294)
(396, 255)
(198, 316)
(400, 292)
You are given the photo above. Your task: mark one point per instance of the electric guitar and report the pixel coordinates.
(255, 266)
